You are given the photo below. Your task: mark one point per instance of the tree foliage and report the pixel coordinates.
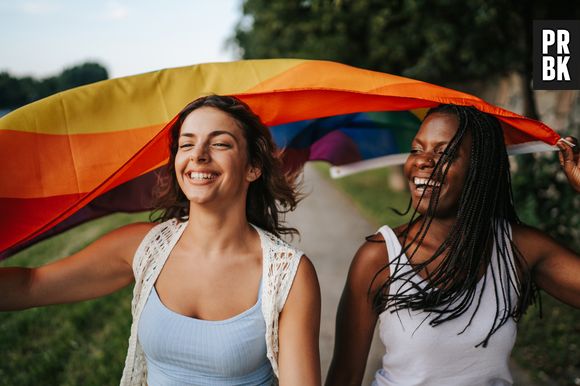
(16, 92)
(439, 41)
(433, 41)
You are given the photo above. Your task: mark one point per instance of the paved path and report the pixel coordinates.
(331, 230)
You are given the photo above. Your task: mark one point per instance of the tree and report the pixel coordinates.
(409, 37)
(80, 75)
(13, 92)
(16, 92)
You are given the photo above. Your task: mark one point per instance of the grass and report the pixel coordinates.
(74, 344)
(372, 195)
(548, 347)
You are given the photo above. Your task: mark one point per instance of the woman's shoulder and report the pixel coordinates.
(370, 258)
(160, 231)
(279, 248)
(372, 252)
(137, 237)
(306, 276)
(144, 230)
(528, 237)
(123, 242)
(129, 235)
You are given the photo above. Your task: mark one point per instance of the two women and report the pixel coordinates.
(220, 299)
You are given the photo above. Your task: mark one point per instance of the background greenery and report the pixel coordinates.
(72, 344)
(18, 91)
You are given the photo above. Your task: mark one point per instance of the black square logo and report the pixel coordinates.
(556, 52)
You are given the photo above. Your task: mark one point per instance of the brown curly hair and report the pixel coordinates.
(272, 194)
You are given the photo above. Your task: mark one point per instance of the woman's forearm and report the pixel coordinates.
(15, 285)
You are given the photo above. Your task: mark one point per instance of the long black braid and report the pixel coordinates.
(483, 219)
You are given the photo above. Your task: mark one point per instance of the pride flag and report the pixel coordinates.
(93, 150)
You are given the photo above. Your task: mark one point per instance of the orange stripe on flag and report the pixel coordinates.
(64, 164)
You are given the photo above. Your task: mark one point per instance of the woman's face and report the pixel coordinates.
(434, 135)
(211, 163)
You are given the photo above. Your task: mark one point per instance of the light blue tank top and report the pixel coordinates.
(181, 350)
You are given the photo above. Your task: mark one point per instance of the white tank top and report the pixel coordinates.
(419, 354)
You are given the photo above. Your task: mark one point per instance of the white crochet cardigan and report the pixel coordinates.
(278, 270)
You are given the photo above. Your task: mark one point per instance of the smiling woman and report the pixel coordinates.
(219, 202)
(229, 130)
(427, 148)
(450, 286)
(211, 165)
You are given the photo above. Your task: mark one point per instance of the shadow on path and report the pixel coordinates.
(331, 230)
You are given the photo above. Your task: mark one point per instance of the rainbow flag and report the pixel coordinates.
(349, 139)
(93, 150)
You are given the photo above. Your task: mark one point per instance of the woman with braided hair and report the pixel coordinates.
(449, 287)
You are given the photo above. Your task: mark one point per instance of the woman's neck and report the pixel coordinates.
(219, 232)
(438, 229)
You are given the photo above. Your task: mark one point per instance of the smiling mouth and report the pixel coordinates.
(197, 176)
(425, 184)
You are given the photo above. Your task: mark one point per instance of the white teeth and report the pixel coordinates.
(425, 181)
(201, 176)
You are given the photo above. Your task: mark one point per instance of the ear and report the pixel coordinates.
(253, 173)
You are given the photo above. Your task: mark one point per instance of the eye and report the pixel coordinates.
(415, 150)
(221, 145)
(185, 145)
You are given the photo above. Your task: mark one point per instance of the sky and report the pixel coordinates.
(40, 38)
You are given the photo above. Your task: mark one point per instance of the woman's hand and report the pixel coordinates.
(570, 161)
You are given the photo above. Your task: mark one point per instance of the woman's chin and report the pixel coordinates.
(200, 200)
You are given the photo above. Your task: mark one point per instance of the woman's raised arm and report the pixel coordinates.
(101, 268)
(555, 268)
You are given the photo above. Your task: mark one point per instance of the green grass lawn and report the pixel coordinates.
(74, 344)
(548, 348)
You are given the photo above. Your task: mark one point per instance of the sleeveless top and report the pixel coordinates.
(420, 354)
(279, 266)
(182, 350)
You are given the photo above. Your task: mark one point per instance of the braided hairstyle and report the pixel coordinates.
(483, 218)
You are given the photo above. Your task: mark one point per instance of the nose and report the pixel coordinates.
(200, 154)
(425, 161)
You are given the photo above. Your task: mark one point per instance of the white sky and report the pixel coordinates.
(42, 37)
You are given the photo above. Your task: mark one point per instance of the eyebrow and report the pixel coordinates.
(438, 144)
(213, 134)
